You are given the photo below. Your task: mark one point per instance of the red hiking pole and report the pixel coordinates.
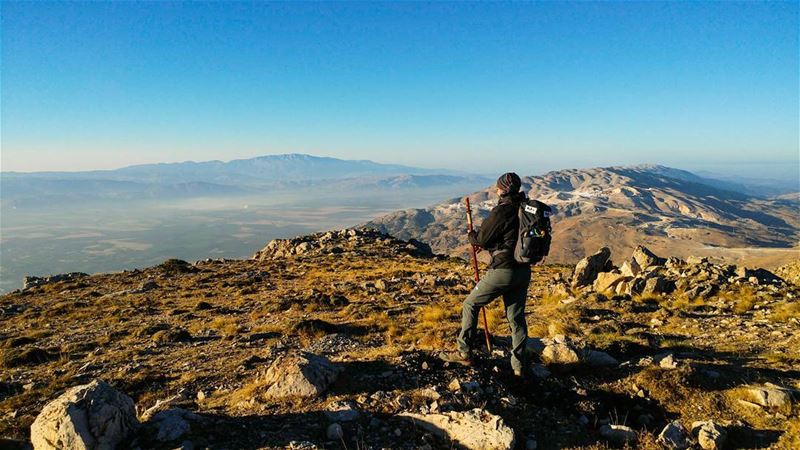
(478, 276)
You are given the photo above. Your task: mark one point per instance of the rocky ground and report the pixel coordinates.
(329, 341)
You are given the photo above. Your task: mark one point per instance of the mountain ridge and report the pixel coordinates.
(620, 206)
(255, 176)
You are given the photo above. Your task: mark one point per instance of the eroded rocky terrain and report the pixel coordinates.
(330, 341)
(670, 211)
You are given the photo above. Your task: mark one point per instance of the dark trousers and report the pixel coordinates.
(512, 284)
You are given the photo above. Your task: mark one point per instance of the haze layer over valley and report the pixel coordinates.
(101, 221)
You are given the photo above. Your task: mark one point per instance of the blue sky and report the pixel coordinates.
(475, 86)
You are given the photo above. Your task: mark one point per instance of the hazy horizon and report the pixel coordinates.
(782, 171)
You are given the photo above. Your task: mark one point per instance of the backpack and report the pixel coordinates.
(533, 239)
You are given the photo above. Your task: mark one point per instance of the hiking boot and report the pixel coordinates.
(457, 357)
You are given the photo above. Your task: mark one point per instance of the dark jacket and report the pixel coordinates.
(498, 232)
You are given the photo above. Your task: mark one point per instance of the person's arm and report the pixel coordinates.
(488, 232)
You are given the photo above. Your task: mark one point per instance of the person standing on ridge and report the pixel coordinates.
(498, 235)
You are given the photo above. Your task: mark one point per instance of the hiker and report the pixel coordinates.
(498, 234)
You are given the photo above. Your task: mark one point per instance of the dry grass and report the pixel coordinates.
(744, 300)
(683, 303)
(227, 327)
(790, 439)
(786, 312)
(549, 317)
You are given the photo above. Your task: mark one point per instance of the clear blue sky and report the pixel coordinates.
(476, 86)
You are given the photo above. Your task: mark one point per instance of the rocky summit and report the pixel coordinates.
(331, 340)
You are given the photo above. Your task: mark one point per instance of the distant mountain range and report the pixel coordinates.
(621, 207)
(216, 178)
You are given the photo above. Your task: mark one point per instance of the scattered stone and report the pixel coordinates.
(709, 435)
(90, 416)
(32, 281)
(299, 374)
(560, 353)
(172, 424)
(334, 343)
(474, 430)
(531, 444)
(333, 242)
(596, 358)
(560, 289)
(148, 285)
(587, 269)
(341, 411)
(770, 396)
(619, 434)
(668, 362)
(674, 436)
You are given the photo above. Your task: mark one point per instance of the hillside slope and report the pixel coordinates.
(197, 348)
(621, 207)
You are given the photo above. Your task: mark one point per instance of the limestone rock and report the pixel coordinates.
(607, 281)
(560, 353)
(31, 281)
(656, 285)
(674, 436)
(596, 358)
(171, 424)
(760, 276)
(587, 269)
(630, 268)
(299, 374)
(770, 396)
(341, 411)
(645, 258)
(709, 435)
(618, 433)
(696, 260)
(90, 416)
(667, 362)
(560, 289)
(475, 429)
